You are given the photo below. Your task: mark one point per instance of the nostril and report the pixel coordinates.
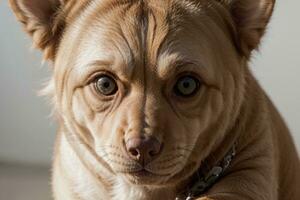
(153, 153)
(134, 152)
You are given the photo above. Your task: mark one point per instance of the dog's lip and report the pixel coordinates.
(142, 173)
(145, 173)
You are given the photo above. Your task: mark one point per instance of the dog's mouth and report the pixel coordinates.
(144, 176)
(146, 173)
(153, 173)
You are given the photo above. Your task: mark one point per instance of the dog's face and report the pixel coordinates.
(150, 86)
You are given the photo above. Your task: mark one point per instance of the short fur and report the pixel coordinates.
(145, 45)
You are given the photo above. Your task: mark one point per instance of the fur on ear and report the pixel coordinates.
(251, 18)
(42, 20)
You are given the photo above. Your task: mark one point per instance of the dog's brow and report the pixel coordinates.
(116, 68)
(99, 63)
(171, 64)
(177, 64)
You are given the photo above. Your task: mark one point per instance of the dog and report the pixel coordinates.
(155, 100)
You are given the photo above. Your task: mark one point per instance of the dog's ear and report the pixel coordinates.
(42, 20)
(251, 18)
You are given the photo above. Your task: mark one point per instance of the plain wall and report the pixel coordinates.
(27, 132)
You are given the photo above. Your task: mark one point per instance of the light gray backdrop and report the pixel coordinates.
(27, 132)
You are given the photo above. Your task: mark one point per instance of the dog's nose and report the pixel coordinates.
(143, 149)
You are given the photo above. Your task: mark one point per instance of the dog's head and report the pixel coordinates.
(152, 87)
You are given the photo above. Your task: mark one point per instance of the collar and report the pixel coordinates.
(203, 182)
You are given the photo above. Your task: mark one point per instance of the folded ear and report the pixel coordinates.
(251, 18)
(42, 20)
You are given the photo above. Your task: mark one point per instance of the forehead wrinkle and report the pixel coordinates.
(167, 62)
(123, 54)
(114, 39)
(132, 40)
(157, 32)
(127, 36)
(123, 39)
(99, 49)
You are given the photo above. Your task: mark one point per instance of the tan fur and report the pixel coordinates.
(146, 44)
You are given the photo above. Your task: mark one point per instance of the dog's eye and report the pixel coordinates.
(106, 85)
(186, 86)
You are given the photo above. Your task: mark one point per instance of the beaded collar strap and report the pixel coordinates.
(204, 182)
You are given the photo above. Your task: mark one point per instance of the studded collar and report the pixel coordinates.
(204, 181)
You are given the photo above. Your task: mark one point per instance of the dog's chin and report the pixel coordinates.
(149, 178)
(144, 177)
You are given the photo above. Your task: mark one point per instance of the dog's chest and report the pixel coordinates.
(124, 191)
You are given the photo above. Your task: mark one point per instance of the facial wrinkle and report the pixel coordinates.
(144, 32)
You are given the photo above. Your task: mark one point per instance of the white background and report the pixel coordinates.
(27, 132)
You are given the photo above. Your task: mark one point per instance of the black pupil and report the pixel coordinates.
(106, 84)
(186, 84)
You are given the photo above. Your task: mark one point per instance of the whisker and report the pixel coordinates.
(109, 146)
(124, 161)
(185, 148)
(105, 156)
(121, 163)
(127, 171)
(169, 166)
(169, 158)
(116, 154)
(173, 161)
